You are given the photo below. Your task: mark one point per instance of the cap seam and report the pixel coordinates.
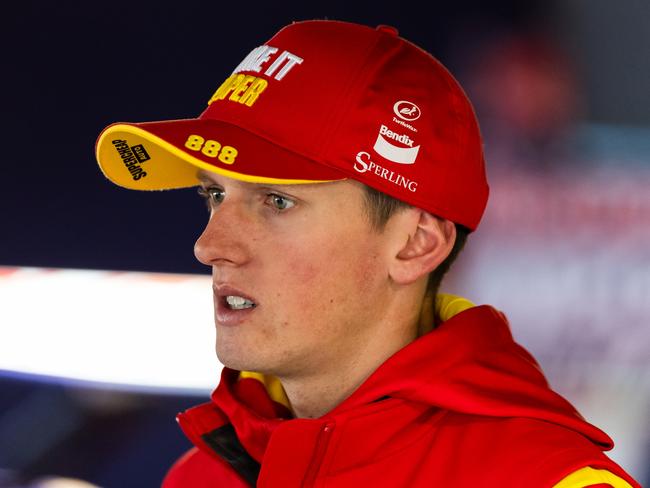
(353, 88)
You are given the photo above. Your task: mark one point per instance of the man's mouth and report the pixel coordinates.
(235, 302)
(232, 305)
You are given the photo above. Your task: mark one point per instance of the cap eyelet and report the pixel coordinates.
(388, 29)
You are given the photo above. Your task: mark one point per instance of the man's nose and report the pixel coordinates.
(222, 242)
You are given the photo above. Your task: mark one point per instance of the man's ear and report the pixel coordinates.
(425, 248)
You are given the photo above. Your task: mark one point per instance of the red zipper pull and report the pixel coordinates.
(319, 453)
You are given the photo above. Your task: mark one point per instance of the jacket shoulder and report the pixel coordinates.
(529, 448)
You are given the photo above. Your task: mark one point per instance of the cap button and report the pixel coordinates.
(388, 29)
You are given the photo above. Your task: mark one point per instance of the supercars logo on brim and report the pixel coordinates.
(132, 157)
(140, 153)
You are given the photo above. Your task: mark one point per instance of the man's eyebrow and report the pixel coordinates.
(273, 186)
(205, 178)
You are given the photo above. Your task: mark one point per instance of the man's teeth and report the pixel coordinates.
(238, 303)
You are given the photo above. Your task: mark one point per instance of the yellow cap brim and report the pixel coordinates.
(168, 154)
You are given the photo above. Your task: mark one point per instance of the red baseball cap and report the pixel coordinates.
(321, 101)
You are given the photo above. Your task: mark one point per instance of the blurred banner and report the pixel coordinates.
(148, 331)
(564, 251)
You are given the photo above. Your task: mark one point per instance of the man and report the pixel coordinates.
(343, 169)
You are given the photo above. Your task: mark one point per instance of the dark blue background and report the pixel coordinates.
(70, 69)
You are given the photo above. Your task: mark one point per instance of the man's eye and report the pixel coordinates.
(212, 195)
(278, 202)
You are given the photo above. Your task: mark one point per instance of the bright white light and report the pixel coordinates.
(143, 329)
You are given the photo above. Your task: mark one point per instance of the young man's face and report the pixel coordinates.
(308, 259)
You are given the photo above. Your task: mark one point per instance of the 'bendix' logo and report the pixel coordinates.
(396, 154)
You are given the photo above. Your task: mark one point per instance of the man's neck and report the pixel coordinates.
(314, 395)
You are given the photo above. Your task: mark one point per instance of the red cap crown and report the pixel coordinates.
(325, 100)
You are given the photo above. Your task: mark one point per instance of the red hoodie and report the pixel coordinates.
(461, 406)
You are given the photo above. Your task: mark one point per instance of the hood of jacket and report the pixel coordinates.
(468, 364)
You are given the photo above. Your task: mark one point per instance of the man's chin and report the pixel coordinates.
(238, 362)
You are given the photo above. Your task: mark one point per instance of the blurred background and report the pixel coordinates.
(106, 318)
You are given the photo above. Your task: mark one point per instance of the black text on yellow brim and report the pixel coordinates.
(169, 154)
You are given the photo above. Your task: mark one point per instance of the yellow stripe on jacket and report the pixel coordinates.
(586, 477)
